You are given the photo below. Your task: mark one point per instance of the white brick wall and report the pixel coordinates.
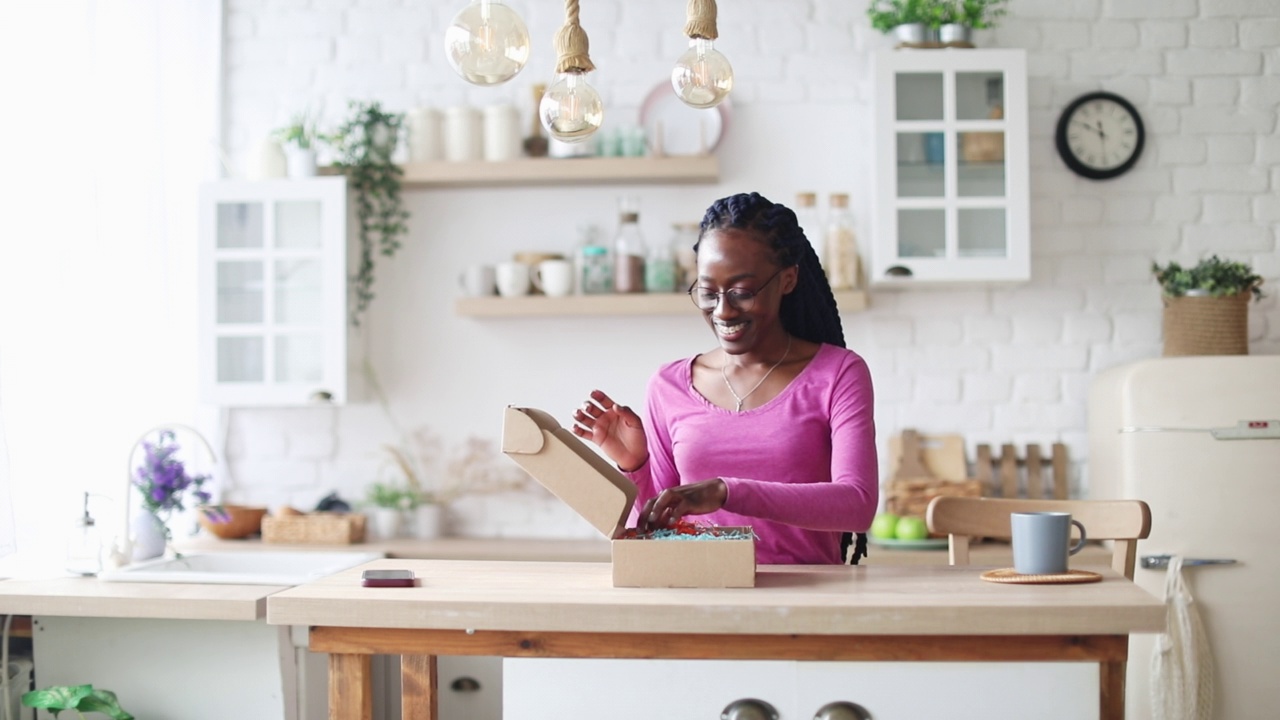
(996, 364)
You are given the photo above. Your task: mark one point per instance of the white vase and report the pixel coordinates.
(301, 161)
(386, 522)
(149, 536)
(428, 522)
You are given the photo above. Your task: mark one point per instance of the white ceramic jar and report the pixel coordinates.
(463, 134)
(501, 133)
(426, 135)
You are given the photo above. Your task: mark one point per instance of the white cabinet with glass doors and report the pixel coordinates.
(273, 292)
(951, 201)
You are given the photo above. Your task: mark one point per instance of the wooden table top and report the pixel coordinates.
(817, 600)
(90, 597)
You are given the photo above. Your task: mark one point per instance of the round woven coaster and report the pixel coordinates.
(1009, 575)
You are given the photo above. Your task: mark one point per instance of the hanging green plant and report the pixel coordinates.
(364, 144)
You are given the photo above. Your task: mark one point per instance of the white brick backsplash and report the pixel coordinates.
(1145, 9)
(1128, 209)
(276, 474)
(1017, 32)
(1197, 62)
(1227, 239)
(1170, 91)
(939, 331)
(1119, 298)
(1159, 34)
(1207, 179)
(891, 331)
(1075, 387)
(298, 23)
(1227, 209)
(1266, 208)
(1237, 8)
(961, 357)
(1102, 357)
(938, 419)
(1215, 91)
(1115, 34)
(945, 302)
(359, 50)
(1138, 328)
(824, 38)
(1041, 418)
(1131, 239)
(1231, 150)
(1058, 9)
(1086, 329)
(987, 388)
(1081, 210)
(893, 389)
(982, 329)
(1108, 63)
(1065, 35)
(1058, 241)
(1216, 120)
(937, 388)
(1057, 300)
(1216, 33)
(1036, 329)
(237, 26)
(1127, 269)
(1044, 65)
(1022, 358)
(1260, 92)
(309, 51)
(312, 446)
(1260, 34)
(1037, 387)
(1177, 208)
(1078, 271)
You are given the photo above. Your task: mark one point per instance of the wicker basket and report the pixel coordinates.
(315, 528)
(1206, 325)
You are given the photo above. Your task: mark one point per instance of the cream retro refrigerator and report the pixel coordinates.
(1198, 438)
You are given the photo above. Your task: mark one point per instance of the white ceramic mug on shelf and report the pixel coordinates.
(463, 134)
(554, 277)
(478, 281)
(426, 135)
(513, 279)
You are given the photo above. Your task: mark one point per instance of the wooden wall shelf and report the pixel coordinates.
(561, 171)
(849, 301)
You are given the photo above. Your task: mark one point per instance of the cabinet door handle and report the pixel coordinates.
(465, 684)
(842, 711)
(749, 709)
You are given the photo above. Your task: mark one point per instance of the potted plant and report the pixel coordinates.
(299, 139)
(1206, 306)
(81, 698)
(163, 481)
(365, 143)
(914, 23)
(389, 502)
(962, 17)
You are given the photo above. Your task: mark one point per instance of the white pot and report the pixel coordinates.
(428, 522)
(952, 33)
(266, 161)
(149, 537)
(386, 523)
(301, 161)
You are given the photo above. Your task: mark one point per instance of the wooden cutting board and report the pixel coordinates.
(941, 455)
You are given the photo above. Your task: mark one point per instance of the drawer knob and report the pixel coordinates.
(465, 684)
(749, 709)
(842, 711)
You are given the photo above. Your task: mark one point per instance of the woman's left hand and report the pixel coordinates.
(674, 503)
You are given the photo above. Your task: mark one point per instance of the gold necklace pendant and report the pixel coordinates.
(742, 399)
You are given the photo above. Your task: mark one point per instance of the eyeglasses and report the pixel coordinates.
(739, 298)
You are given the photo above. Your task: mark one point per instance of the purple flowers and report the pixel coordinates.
(164, 481)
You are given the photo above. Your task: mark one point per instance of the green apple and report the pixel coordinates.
(885, 526)
(911, 528)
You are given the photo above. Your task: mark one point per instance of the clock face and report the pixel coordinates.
(1100, 135)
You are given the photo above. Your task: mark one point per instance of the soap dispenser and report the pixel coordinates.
(84, 548)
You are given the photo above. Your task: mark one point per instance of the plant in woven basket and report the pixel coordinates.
(1212, 276)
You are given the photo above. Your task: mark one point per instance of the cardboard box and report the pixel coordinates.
(603, 496)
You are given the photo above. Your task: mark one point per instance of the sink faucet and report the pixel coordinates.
(121, 552)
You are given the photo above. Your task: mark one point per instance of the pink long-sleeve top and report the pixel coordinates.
(801, 469)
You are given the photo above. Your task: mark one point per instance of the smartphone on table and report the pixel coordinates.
(387, 578)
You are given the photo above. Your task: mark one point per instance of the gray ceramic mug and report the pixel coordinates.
(1042, 542)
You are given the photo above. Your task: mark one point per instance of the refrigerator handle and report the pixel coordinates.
(1160, 562)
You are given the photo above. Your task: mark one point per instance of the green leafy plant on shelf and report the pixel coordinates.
(300, 132)
(81, 698)
(885, 15)
(364, 144)
(977, 14)
(389, 495)
(1211, 276)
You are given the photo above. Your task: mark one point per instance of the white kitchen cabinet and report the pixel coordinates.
(950, 197)
(273, 292)
(546, 689)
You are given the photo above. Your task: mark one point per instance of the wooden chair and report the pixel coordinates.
(1123, 521)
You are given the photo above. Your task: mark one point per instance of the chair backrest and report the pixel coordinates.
(1124, 521)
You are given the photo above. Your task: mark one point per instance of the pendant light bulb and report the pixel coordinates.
(702, 77)
(487, 44)
(571, 110)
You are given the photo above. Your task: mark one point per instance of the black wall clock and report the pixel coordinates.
(1100, 135)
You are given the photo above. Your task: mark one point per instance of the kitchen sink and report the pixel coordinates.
(240, 568)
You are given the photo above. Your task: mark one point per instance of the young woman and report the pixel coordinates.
(773, 428)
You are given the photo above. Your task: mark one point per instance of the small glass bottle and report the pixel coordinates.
(594, 269)
(841, 261)
(683, 237)
(84, 547)
(628, 248)
(660, 270)
(810, 220)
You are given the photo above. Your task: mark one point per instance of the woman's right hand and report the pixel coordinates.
(615, 428)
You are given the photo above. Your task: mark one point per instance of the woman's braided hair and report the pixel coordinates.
(809, 311)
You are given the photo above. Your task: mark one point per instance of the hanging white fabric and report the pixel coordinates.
(1182, 662)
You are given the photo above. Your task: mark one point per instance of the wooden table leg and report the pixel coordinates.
(1111, 682)
(419, 691)
(350, 687)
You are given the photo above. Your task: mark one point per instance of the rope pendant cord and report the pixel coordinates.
(572, 46)
(741, 399)
(701, 22)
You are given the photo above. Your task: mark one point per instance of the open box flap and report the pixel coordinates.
(568, 468)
